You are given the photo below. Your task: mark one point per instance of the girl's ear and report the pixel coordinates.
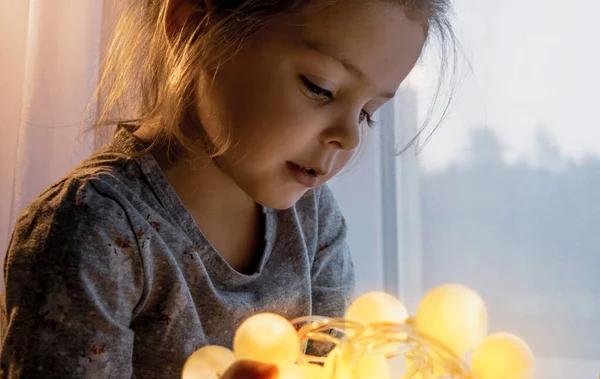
(177, 12)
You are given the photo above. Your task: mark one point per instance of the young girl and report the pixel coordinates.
(210, 205)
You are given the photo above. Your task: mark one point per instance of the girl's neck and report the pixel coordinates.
(231, 220)
(206, 190)
(203, 187)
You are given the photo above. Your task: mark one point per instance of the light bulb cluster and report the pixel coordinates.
(450, 322)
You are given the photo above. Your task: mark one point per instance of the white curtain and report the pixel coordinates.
(50, 53)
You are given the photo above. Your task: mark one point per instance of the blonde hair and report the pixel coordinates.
(151, 68)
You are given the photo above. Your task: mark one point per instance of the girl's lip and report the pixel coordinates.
(303, 175)
(317, 170)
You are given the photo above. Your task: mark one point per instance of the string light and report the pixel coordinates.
(425, 356)
(450, 321)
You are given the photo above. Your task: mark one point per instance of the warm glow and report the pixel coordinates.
(376, 307)
(305, 371)
(432, 370)
(452, 315)
(455, 315)
(208, 362)
(503, 355)
(367, 367)
(290, 371)
(268, 338)
(311, 371)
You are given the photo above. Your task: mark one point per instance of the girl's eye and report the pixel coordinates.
(366, 117)
(317, 92)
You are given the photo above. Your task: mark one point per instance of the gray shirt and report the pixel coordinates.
(108, 276)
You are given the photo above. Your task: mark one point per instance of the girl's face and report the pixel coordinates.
(297, 97)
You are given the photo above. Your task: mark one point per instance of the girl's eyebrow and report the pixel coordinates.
(331, 51)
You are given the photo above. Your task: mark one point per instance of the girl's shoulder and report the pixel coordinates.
(92, 197)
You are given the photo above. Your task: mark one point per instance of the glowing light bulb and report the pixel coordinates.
(455, 315)
(376, 307)
(208, 362)
(503, 355)
(339, 366)
(268, 338)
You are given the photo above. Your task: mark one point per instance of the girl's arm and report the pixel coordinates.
(332, 270)
(73, 280)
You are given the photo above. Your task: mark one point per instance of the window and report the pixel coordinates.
(505, 197)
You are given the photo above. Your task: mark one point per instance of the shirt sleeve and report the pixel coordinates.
(332, 270)
(73, 279)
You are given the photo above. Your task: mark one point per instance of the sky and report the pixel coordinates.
(534, 63)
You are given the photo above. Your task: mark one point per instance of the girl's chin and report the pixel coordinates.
(281, 201)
